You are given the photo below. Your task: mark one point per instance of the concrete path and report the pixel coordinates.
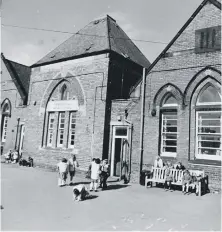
(31, 201)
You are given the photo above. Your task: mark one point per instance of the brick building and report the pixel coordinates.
(87, 95)
(182, 106)
(63, 102)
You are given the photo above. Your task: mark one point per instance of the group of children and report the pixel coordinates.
(98, 172)
(188, 180)
(11, 156)
(66, 167)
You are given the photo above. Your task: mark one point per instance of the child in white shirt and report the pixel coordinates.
(95, 172)
(62, 167)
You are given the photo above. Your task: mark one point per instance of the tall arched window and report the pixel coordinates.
(208, 124)
(64, 92)
(169, 126)
(5, 117)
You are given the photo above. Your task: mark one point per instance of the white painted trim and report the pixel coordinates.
(50, 115)
(4, 129)
(208, 157)
(206, 165)
(22, 134)
(58, 134)
(168, 154)
(204, 156)
(70, 129)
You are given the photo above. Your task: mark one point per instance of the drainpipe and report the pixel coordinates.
(142, 120)
(18, 119)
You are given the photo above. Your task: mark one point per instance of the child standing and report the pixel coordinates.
(186, 180)
(168, 177)
(73, 164)
(95, 172)
(62, 167)
(104, 173)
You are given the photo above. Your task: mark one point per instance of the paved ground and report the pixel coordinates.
(32, 201)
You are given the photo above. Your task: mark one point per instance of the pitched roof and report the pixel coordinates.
(99, 36)
(20, 75)
(216, 3)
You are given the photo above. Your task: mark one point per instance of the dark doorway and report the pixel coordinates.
(117, 161)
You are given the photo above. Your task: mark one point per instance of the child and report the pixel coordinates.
(88, 173)
(104, 174)
(95, 172)
(30, 162)
(80, 192)
(186, 180)
(14, 157)
(8, 156)
(179, 166)
(168, 177)
(195, 183)
(63, 171)
(73, 164)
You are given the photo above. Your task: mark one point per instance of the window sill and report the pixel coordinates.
(58, 149)
(173, 155)
(205, 162)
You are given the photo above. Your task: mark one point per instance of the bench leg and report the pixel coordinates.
(199, 189)
(145, 183)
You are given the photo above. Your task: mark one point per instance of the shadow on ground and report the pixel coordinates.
(90, 197)
(116, 186)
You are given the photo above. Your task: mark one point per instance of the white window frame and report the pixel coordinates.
(204, 156)
(168, 154)
(72, 131)
(50, 129)
(5, 126)
(61, 130)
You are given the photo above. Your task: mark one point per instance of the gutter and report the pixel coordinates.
(142, 120)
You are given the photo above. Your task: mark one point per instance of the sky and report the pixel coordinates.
(153, 20)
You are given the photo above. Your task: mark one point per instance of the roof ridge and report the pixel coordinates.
(185, 25)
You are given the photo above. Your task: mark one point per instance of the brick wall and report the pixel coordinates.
(9, 91)
(182, 73)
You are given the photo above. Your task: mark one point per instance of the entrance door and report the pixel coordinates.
(21, 139)
(119, 150)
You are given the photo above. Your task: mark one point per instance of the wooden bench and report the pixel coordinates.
(158, 176)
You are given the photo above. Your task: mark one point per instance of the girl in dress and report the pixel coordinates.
(95, 172)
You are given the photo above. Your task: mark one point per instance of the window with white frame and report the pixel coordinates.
(4, 128)
(169, 127)
(72, 129)
(208, 124)
(61, 129)
(50, 128)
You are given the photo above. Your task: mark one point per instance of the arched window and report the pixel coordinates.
(64, 92)
(61, 119)
(5, 118)
(169, 126)
(208, 124)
